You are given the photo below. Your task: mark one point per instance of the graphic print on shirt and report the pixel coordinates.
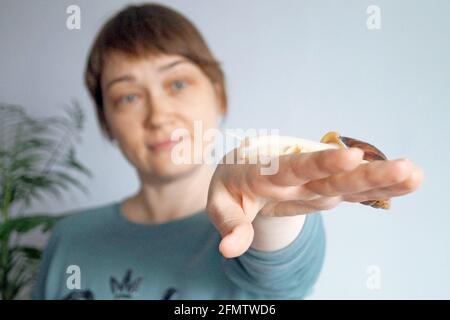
(125, 289)
(79, 295)
(121, 290)
(170, 294)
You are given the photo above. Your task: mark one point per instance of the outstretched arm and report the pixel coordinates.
(267, 212)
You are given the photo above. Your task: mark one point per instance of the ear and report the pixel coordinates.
(109, 136)
(219, 94)
(105, 127)
(108, 132)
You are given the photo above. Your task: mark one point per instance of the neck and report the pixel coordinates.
(170, 200)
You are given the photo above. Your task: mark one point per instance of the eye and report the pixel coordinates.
(130, 98)
(178, 85)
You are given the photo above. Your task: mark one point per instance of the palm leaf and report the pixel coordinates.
(62, 177)
(30, 253)
(37, 157)
(25, 224)
(70, 161)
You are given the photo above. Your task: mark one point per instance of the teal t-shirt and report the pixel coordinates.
(99, 254)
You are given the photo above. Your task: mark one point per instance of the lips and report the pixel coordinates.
(163, 145)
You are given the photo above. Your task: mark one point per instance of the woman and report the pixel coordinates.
(193, 231)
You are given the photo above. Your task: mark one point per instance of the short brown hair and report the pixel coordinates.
(139, 30)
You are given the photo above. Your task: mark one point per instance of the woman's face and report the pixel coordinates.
(145, 100)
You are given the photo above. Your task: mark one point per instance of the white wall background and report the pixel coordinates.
(304, 67)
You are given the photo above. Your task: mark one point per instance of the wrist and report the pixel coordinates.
(275, 233)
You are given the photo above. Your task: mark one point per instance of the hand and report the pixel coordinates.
(304, 183)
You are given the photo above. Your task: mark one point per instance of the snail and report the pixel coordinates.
(252, 148)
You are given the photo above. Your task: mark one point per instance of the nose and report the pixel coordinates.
(159, 114)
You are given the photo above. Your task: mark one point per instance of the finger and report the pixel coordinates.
(377, 174)
(233, 224)
(296, 169)
(411, 184)
(287, 208)
(291, 208)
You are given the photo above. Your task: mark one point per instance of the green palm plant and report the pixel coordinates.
(37, 158)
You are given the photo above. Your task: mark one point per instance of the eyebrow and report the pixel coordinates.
(171, 65)
(120, 79)
(160, 69)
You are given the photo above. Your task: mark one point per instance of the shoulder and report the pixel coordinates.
(78, 222)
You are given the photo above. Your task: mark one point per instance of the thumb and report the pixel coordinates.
(232, 223)
(238, 240)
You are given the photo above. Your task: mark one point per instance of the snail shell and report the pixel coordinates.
(371, 153)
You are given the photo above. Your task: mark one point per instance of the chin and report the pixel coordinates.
(168, 171)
